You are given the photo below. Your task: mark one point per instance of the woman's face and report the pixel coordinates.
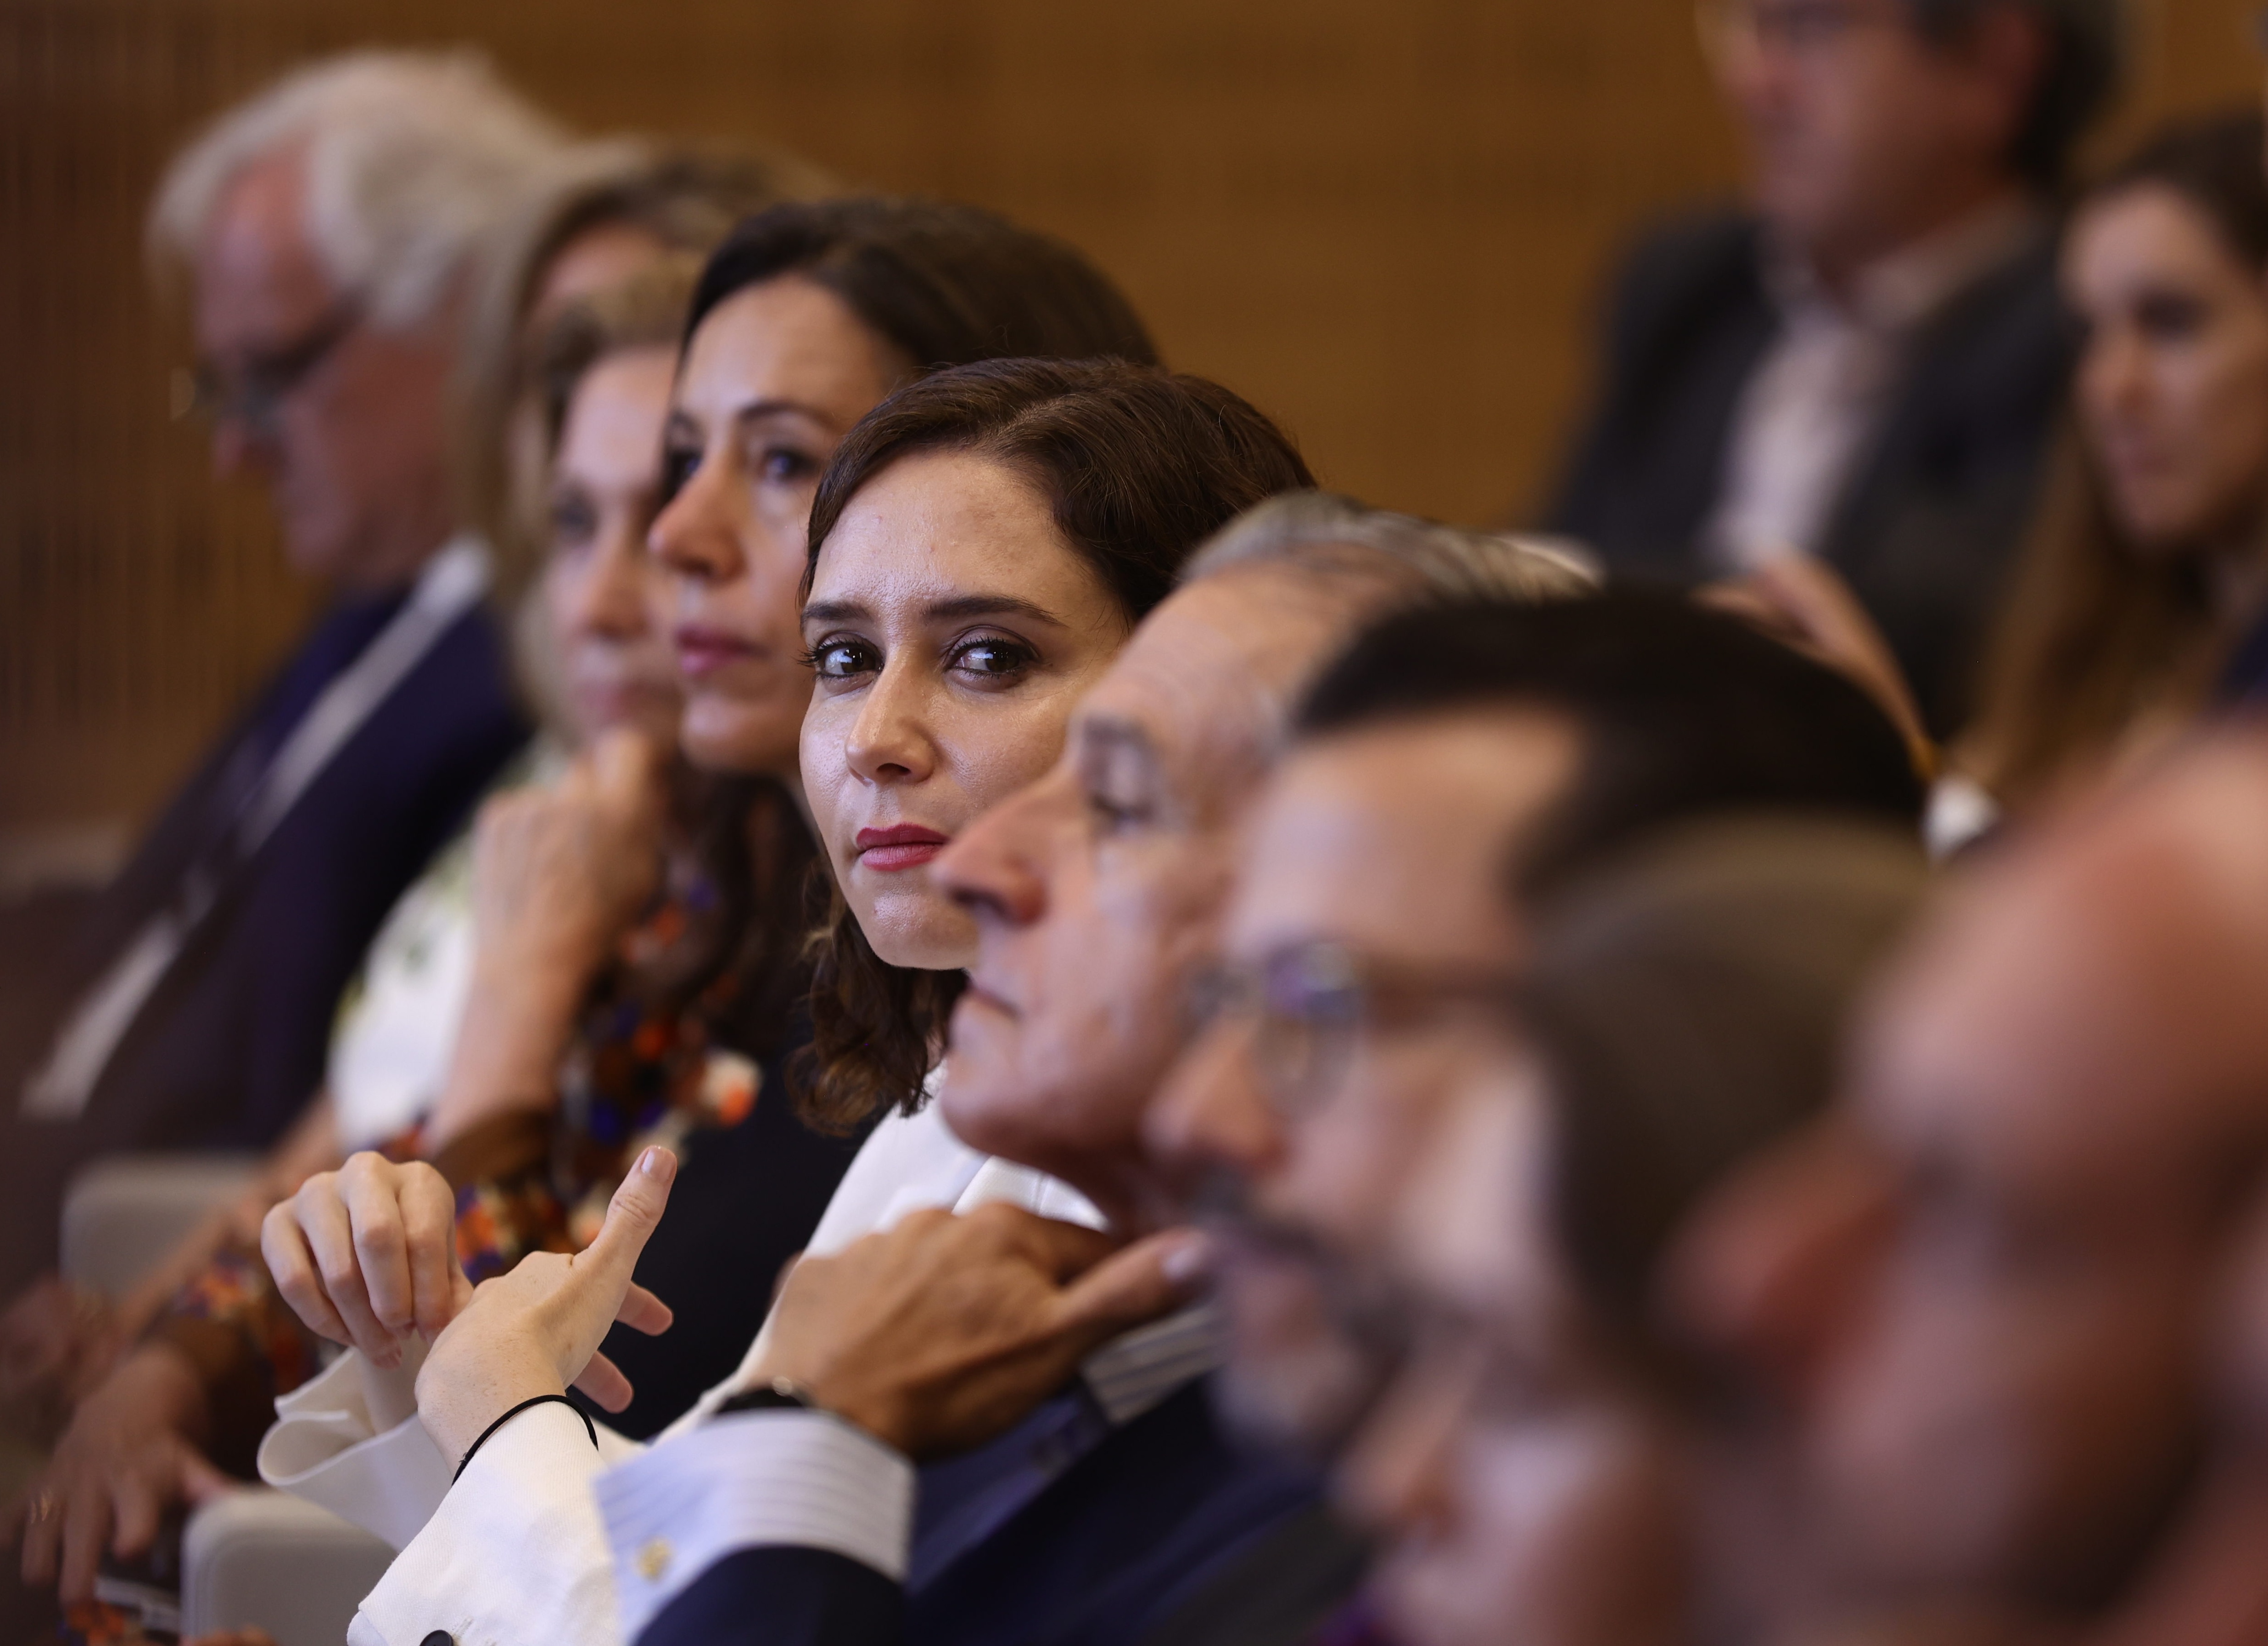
(771, 383)
(951, 629)
(2172, 387)
(603, 594)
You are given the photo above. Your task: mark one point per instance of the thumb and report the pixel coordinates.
(631, 1216)
(1149, 1279)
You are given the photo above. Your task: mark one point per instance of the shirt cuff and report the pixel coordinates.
(514, 1552)
(747, 1480)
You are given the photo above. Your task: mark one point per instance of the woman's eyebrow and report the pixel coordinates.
(956, 609)
(989, 606)
(757, 411)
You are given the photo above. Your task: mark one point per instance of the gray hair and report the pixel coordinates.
(1336, 535)
(411, 157)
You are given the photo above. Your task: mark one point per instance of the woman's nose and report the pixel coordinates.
(697, 535)
(614, 600)
(889, 743)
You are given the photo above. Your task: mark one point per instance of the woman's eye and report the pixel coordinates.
(992, 660)
(677, 465)
(573, 521)
(783, 466)
(844, 660)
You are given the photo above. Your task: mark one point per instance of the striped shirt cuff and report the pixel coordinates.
(748, 1481)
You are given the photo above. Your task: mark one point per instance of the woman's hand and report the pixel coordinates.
(537, 1330)
(559, 873)
(129, 1456)
(367, 1254)
(58, 1342)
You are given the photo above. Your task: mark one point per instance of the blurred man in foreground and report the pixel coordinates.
(326, 231)
(1862, 367)
(1988, 1294)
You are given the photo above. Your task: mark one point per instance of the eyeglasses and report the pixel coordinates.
(254, 390)
(1310, 1004)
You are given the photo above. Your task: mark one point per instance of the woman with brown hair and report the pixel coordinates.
(2137, 602)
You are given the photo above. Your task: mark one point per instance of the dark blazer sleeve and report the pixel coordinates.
(1688, 321)
(783, 1596)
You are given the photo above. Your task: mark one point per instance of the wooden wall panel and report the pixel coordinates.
(1382, 219)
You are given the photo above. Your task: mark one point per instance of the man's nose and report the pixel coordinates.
(1212, 1114)
(1774, 1270)
(237, 448)
(993, 868)
(1397, 1479)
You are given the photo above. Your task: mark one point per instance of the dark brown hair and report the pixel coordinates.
(1139, 467)
(2094, 630)
(942, 285)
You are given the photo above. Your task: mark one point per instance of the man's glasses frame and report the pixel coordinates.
(252, 391)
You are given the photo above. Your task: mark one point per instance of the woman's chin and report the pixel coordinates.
(722, 734)
(908, 923)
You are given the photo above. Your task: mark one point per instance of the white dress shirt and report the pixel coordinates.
(515, 1550)
(1815, 403)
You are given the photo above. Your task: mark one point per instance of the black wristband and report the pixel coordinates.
(781, 1394)
(592, 1428)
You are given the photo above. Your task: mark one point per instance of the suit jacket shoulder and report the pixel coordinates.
(1142, 1529)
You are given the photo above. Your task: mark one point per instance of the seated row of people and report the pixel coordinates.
(999, 819)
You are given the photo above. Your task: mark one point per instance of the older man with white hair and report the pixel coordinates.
(324, 232)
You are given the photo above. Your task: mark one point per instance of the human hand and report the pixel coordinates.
(1802, 602)
(941, 1334)
(126, 1458)
(559, 871)
(368, 1253)
(58, 1342)
(536, 1330)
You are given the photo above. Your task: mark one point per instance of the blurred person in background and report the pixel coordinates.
(1985, 1297)
(327, 229)
(1863, 367)
(629, 1049)
(1530, 1472)
(1442, 745)
(2139, 600)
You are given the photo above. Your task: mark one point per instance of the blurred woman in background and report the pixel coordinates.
(2139, 602)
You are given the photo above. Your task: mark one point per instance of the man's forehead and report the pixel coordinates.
(1209, 678)
(2071, 1021)
(256, 264)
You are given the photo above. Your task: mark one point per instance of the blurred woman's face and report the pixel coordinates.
(771, 383)
(952, 628)
(2172, 387)
(603, 592)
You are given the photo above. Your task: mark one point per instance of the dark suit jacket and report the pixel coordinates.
(1932, 516)
(233, 1044)
(1144, 1539)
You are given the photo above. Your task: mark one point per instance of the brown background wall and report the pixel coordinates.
(1382, 219)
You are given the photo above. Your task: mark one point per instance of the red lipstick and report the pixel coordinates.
(903, 845)
(702, 651)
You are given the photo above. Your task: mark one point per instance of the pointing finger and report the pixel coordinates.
(631, 1216)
